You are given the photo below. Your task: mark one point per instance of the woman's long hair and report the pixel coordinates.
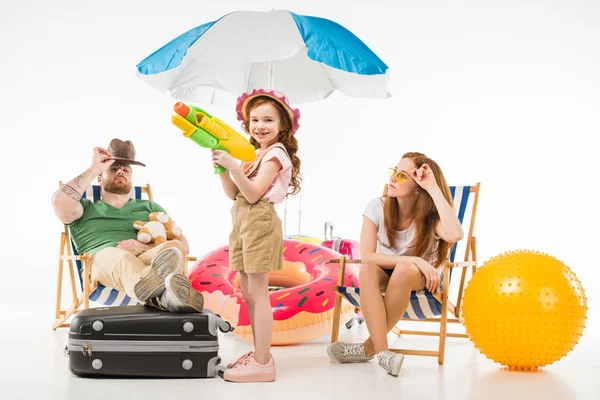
(425, 215)
(286, 137)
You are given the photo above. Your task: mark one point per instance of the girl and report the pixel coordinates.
(406, 235)
(255, 243)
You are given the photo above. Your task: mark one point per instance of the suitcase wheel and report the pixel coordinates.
(225, 326)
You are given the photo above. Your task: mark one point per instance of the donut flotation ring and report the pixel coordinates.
(302, 303)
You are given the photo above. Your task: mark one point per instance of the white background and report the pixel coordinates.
(504, 93)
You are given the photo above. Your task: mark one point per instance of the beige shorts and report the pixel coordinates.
(256, 240)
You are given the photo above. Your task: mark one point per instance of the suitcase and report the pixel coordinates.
(347, 247)
(142, 341)
(350, 248)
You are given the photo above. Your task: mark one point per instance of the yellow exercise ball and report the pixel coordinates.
(524, 309)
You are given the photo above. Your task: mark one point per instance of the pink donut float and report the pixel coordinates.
(302, 304)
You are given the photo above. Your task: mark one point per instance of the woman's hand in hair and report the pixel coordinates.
(424, 177)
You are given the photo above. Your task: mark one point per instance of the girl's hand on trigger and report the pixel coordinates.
(424, 177)
(224, 159)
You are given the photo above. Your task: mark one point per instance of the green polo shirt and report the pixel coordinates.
(103, 225)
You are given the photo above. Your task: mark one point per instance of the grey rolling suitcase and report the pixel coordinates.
(141, 341)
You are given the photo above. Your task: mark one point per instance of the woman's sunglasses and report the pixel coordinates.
(398, 176)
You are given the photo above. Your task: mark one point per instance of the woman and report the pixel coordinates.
(406, 236)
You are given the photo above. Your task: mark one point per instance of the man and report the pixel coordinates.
(150, 274)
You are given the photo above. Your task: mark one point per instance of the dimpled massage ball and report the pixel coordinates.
(524, 309)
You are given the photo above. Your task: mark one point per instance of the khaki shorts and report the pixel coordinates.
(256, 240)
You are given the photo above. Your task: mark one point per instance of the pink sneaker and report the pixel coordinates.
(239, 360)
(249, 370)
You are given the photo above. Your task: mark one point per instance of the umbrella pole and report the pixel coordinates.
(271, 76)
(300, 216)
(285, 218)
(271, 83)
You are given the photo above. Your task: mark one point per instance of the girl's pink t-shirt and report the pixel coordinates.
(278, 190)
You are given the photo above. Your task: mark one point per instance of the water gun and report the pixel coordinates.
(210, 132)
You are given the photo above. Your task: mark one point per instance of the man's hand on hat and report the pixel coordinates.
(102, 160)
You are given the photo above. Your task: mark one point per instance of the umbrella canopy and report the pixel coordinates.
(306, 58)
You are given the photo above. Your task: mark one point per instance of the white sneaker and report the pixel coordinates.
(390, 361)
(347, 352)
(180, 296)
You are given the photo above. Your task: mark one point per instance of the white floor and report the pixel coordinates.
(32, 366)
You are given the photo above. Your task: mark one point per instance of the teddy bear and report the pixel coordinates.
(159, 229)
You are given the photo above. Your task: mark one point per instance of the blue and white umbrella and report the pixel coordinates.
(306, 58)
